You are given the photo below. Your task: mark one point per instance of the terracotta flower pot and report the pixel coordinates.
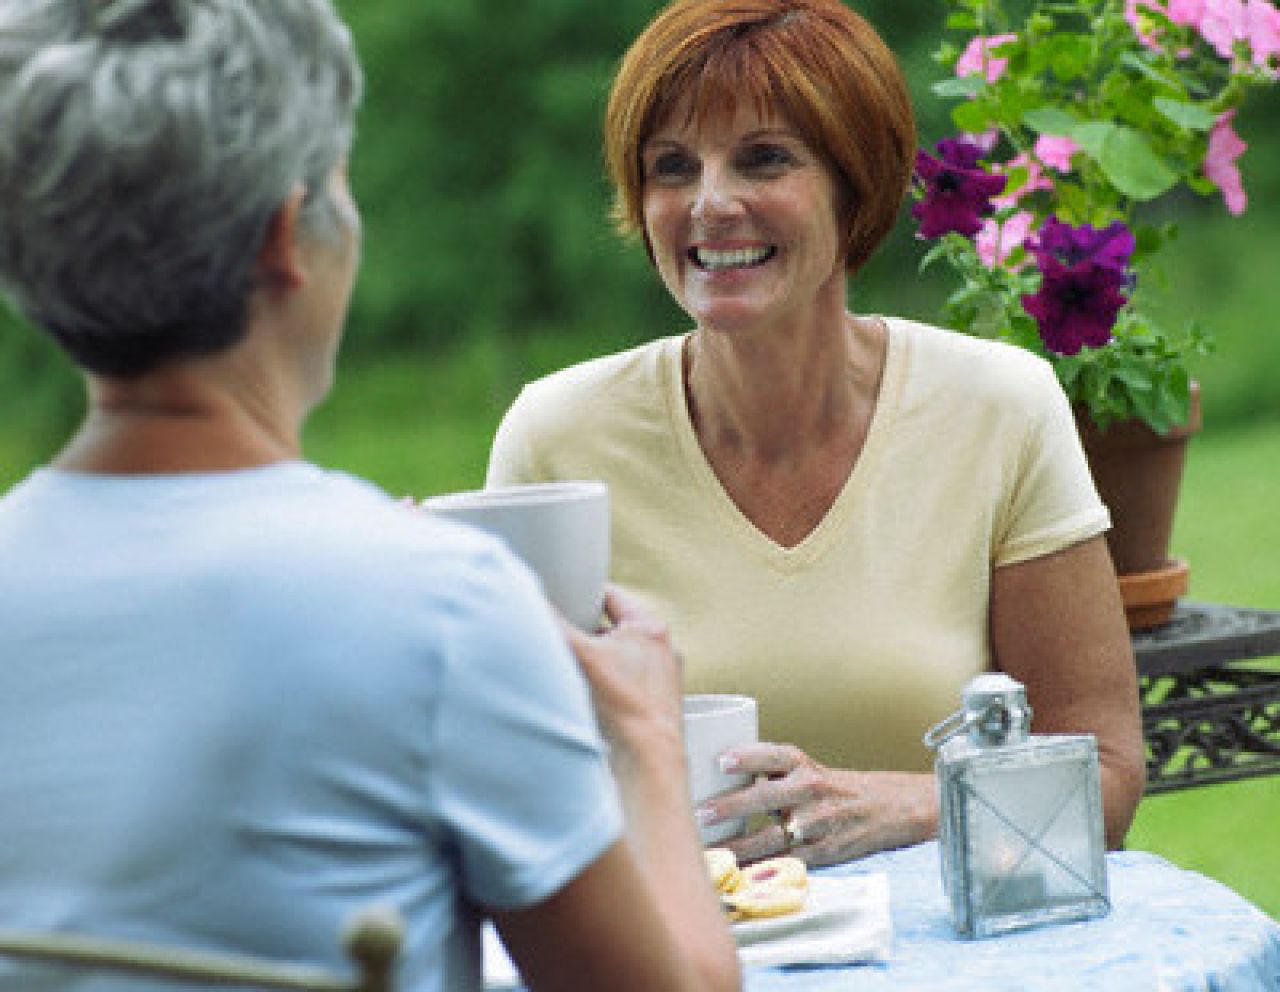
(1138, 474)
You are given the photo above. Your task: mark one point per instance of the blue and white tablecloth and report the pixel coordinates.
(1169, 930)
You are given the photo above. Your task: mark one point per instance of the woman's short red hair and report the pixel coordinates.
(815, 62)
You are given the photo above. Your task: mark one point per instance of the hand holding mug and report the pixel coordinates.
(819, 814)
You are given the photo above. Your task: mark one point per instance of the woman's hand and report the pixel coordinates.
(821, 815)
(633, 671)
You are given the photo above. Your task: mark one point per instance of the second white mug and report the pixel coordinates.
(712, 724)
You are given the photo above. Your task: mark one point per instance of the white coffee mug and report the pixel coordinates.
(712, 724)
(560, 529)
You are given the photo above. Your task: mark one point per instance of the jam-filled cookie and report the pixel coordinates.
(786, 871)
(754, 902)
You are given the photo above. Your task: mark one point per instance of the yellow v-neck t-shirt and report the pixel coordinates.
(859, 638)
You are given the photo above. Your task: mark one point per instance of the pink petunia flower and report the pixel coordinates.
(1187, 12)
(996, 241)
(1225, 147)
(1055, 151)
(1036, 179)
(1262, 27)
(1223, 24)
(978, 60)
(1184, 12)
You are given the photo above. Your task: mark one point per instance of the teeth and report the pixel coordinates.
(737, 258)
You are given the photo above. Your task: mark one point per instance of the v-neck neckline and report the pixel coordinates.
(818, 540)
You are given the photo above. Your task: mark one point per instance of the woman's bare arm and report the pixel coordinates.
(1058, 627)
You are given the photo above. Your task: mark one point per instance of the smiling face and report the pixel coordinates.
(740, 214)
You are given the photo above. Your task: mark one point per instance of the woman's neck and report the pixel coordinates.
(770, 395)
(177, 420)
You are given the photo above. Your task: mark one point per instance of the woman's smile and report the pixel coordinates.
(720, 259)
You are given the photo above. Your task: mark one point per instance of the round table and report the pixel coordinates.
(1168, 930)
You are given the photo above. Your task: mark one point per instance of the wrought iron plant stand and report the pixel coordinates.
(1210, 689)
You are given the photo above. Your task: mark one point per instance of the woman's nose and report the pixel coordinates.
(716, 194)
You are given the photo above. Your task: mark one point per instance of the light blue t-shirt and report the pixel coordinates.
(236, 707)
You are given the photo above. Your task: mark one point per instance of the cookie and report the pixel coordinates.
(722, 867)
(755, 902)
(773, 887)
(786, 872)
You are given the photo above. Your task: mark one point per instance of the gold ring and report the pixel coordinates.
(790, 832)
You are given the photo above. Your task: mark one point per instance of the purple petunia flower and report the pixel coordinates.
(1110, 247)
(1083, 270)
(1076, 305)
(957, 191)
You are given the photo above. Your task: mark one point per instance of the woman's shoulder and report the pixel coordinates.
(634, 365)
(598, 385)
(939, 358)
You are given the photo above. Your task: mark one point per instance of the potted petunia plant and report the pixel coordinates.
(1073, 117)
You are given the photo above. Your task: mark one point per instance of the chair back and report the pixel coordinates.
(372, 941)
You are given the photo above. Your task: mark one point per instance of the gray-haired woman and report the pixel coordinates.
(241, 696)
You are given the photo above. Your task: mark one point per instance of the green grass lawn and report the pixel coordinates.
(1228, 530)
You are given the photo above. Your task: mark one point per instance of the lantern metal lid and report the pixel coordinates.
(994, 712)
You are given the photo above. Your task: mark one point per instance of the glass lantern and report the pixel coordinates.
(1020, 820)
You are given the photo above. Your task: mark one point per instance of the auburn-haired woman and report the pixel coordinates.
(846, 515)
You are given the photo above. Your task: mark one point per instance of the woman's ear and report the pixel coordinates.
(279, 260)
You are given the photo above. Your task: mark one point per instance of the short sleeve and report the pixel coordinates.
(1052, 502)
(520, 782)
(511, 454)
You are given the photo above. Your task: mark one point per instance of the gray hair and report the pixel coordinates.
(145, 146)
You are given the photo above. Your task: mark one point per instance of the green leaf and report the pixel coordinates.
(1133, 168)
(1050, 120)
(1151, 72)
(1093, 136)
(1126, 158)
(959, 86)
(1189, 115)
(1122, 153)
(1146, 407)
(1070, 56)
(1136, 378)
(973, 117)
(932, 255)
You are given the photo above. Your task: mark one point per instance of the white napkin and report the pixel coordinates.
(846, 921)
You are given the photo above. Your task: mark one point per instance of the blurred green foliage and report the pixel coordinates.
(478, 168)
(479, 173)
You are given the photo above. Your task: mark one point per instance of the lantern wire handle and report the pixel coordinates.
(948, 727)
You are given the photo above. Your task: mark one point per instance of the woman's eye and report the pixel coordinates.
(765, 158)
(671, 166)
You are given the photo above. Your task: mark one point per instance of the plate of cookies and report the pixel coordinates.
(772, 896)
